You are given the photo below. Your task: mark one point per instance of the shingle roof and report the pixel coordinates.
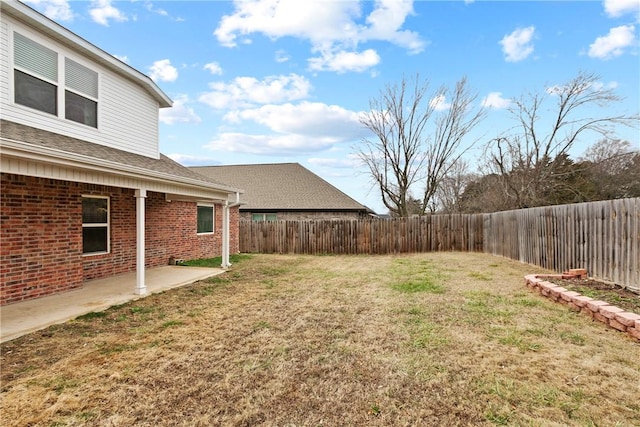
(286, 186)
(52, 141)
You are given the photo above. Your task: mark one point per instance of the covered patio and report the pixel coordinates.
(96, 295)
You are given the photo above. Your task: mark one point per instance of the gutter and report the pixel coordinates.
(59, 157)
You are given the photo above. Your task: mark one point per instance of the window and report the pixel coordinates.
(79, 106)
(35, 93)
(205, 219)
(36, 75)
(38, 86)
(80, 109)
(263, 217)
(95, 224)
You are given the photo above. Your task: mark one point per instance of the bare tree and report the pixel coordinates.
(529, 158)
(403, 157)
(613, 167)
(609, 156)
(448, 196)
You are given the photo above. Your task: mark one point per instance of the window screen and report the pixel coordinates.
(205, 219)
(35, 93)
(80, 109)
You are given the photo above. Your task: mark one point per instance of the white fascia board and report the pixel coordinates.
(54, 30)
(17, 149)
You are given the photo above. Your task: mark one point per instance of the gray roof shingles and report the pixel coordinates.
(41, 138)
(281, 186)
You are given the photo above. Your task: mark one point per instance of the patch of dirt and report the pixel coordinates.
(608, 292)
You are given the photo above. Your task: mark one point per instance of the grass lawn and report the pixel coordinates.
(438, 339)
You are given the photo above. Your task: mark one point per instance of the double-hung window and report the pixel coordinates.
(81, 93)
(35, 75)
(95, 225)
(206, 215)
(43, 82)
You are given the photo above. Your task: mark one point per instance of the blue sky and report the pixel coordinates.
(285, 81)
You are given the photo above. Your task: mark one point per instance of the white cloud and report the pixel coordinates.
(614, 43)
(58, 10)
(350, 162)
(281, 56)
(330, 26)
(269, 144)
(312, 119)
(385, 22)
(517, 45)
(163, 71)
(315, 20)
(345, 61)
(248, 91)
(495, 100)
(292, 129)
(123, 58)
(213, 67)
(179, 112)
(439, 103)
(617, 8)
(153, 9)
(102, 11)
(189, 160)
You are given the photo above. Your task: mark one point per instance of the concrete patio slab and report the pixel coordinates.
(96, 295)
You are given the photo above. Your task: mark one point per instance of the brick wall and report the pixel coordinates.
(41, 235)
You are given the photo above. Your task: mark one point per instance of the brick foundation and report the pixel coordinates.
(41, 235)
(612, 316)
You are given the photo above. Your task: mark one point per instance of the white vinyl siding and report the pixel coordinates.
(127, 113)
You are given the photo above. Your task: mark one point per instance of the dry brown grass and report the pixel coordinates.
(432, 339)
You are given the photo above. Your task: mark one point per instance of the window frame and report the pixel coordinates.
(60, 84)
(213, 218)
(263, 216)
(106, 225)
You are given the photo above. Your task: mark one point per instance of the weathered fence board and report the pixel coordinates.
(603, 237)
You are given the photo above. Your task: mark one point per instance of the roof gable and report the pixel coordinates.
(281, 186)
(62, 35)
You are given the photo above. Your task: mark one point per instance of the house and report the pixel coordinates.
(285, 191)
(85, 192)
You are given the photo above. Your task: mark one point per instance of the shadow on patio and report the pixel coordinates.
(22, 318)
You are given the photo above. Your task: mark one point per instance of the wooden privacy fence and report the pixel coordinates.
(603, 237)
(365, 236)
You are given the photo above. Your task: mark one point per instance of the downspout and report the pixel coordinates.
(226, 221)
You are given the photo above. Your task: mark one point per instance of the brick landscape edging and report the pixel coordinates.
(612, 316)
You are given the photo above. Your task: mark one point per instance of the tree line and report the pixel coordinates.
(415, 158)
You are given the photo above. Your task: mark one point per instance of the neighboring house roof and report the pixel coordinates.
(281, 186)
(40, 22)
(35, 142)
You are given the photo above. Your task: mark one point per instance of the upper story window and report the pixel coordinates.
(38, 83)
